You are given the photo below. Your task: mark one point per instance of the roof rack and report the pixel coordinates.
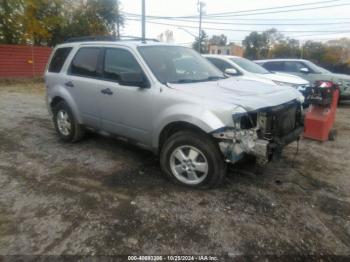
(128, 37)
(106, 38)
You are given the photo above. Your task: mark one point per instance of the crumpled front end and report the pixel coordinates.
(262, 133)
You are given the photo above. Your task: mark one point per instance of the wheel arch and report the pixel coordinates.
(59, 95)
(175, 127)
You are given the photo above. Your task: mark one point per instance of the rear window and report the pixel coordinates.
(85, 62)
(58, 59)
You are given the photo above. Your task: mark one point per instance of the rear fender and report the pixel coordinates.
(61, 92)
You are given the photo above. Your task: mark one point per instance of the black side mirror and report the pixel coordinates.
(133, 79)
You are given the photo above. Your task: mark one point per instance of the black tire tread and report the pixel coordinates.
(207, 145)
(78, 130)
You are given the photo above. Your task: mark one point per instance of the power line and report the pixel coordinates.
(272, 8)
(332, 33)
(253, 24)
(242, 13)
(239, 30)
(290, 10)
(271, 19)
(250, 19)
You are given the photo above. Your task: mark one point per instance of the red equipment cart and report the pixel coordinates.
(320, 117)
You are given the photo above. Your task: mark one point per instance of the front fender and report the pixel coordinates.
(62, 92)
(192, 114)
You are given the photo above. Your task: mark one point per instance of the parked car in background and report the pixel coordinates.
(309, 71)
(238, 66)
(170, 100)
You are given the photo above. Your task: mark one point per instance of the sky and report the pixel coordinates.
(330, 18)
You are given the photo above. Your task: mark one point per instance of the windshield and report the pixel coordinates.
(249, 65)
(176, 64)
(317, 69)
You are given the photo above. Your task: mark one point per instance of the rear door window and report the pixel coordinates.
(293, 66)
(85, 62)
(118, 61)
(274, 66)
(58, 59)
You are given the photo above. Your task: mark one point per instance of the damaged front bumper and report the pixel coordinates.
(235, 144)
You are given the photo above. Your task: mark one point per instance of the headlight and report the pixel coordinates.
(243, 119)
(237, 113)
(238, 110)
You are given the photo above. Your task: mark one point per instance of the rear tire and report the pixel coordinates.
(192, 159)
(65, 123)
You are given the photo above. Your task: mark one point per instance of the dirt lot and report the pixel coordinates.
(103, 197)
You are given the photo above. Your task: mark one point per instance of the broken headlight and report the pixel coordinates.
(243, 119)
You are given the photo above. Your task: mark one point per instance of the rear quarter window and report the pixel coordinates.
(58, 59)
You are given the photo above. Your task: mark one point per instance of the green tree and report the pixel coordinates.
(203, 40)
(94, 17)
(314, 51)
(109, 10)
(40, 19)
(289, 48)
(256, 45)
(48, 22)
(218, 40)
(343, 47)
(273, 37)
(11, 30)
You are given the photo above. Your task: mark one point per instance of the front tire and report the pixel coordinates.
(66, 125)
(193, 160)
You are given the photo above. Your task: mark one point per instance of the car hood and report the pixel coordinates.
(281, 77)
(251, 95)
(340, 76)
(257, 78)
(336, 78)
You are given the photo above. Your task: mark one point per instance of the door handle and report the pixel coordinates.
(107, 91)
(69, 84)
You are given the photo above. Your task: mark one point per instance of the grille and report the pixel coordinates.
(285, 121)
(248, 121)
(279, 121)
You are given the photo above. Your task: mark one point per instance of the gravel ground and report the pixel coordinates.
(104, 197)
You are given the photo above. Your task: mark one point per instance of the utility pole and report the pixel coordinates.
(200, 5)
(143, 21)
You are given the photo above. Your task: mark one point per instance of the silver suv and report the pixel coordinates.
(169, 100)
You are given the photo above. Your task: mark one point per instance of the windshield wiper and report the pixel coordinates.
(183, 81)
